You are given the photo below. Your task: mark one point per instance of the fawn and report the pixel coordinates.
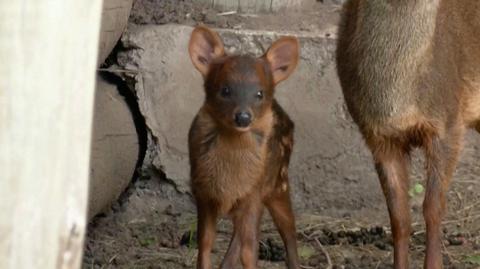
(410, 74)
(240, 144)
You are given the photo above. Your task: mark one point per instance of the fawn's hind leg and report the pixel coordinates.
(441, 157)
(392, 169)
(207, 220)
(280, 208)
(246, 221)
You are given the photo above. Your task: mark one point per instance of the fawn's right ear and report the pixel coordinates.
(205, 45)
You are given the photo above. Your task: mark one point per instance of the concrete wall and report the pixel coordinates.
(327, 157)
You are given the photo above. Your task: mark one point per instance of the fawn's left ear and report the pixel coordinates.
(283, 58)
(205, 45)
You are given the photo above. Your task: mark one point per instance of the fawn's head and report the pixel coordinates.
(239, 89)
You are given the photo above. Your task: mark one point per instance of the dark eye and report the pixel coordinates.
(225, 92)
(260, 95)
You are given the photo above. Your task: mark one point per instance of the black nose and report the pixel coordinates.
(243, 119)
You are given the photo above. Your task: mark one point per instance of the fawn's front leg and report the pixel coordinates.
(246, 221)
(231, 257)
(206, 229)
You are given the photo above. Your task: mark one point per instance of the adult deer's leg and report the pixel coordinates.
(392, 168)
(441, 157)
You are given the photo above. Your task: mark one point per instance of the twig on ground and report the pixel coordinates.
(468, 207)
(329, 261)
(112, 259)
(462, 219)
(227, 13)
(468, 218)
(459, 197)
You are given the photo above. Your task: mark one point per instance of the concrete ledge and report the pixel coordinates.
(257, 5)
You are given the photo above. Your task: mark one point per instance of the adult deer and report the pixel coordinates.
(410, 73)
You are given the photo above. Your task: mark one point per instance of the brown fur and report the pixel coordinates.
(410, 73)
(237, 171)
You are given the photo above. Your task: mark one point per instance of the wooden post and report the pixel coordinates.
(48, 52)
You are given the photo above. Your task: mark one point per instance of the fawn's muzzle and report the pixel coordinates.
(243, 119)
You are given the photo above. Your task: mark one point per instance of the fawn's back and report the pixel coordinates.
(409, 63)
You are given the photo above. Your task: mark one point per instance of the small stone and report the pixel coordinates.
(456, 241)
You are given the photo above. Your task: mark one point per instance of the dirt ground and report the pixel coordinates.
(155, 228)
(153, 225)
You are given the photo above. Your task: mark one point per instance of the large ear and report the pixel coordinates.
(283, 58)
(205, 45)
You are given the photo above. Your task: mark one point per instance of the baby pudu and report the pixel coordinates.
(240, 144)
(410, 73)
